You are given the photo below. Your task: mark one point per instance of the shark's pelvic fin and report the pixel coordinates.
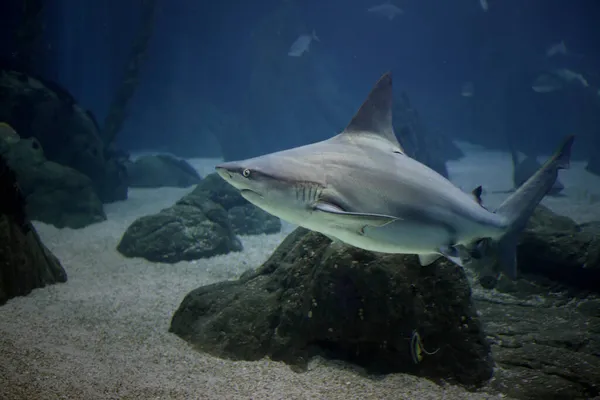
(374, 117)
(450, 252)
(350, 220)
(427, 259)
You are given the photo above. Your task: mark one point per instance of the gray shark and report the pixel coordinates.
(359, 187)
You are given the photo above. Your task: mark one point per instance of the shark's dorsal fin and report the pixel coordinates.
(374, 117)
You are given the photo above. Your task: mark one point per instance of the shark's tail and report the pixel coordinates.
(520, 205)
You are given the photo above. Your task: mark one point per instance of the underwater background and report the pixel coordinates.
(130, 269)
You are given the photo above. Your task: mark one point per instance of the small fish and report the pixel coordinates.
(484, 5)
(8, 134)
(559, 48)
(547, 83)
(467, 90)
(570, 76)
(416, 348)
(387, 10)
(302, 44)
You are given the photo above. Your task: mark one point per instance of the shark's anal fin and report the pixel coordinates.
(350, 220)
(450, 252)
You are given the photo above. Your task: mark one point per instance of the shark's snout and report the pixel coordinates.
(223, 171)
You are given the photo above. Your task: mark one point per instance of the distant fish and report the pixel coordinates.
(387, 10)
(302, 44)
(570, 76)
(559, 48)
(8, 134)
(484, 5)
(467, 90)
(525, 168)
(547, 83)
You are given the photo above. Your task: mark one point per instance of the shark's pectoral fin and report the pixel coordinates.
(427, 259)
(351, 220)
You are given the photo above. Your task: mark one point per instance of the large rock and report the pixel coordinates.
(316, 297)
(553, 250)
(245, 218)
(195, 227)
(69, 134)
(161, 170)
(55, 194)
(25, 263)
(546, 347)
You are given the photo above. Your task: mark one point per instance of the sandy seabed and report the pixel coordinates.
(104, 333)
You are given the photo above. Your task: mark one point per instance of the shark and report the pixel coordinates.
(359, 187)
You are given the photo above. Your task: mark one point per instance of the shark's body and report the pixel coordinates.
(360, 188)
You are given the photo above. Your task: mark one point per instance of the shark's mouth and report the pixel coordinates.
(250, 193)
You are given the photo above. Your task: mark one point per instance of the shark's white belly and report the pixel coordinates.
(400, 237)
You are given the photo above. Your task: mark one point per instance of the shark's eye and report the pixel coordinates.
(246, 173)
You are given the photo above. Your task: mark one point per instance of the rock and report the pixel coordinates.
(314, 297)
(41, 109)
(161, 170)
(25, 263)
(55, 194)
(430, 149)
(245, 218)
(543, 350)
(195, 227)
(555, 251)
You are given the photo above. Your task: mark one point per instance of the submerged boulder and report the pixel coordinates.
(202, 224)
(545, 345)
(161, 170)
(55, 194)
(41, 109)
(315, 297)
(195, 227)
(25, 263)
(554, 250)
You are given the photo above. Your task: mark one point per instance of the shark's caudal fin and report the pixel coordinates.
(520, 205)
(374, 117)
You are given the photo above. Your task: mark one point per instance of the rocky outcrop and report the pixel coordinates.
(545, 346)
(69, 134)
(315, 297)
(161, 170)
(554, 250)
(202, 224)
(25, 263)
(195, 227)
(55, 194)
